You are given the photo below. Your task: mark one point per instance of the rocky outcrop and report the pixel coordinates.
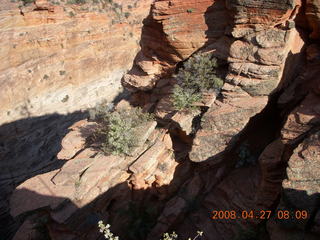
(253, 146)
(313, 17)
(173, 31)
(224, 120)
(256, 68)
(88, 174)
(66, 57)
(300, 187)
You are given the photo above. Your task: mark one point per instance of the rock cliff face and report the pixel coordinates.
(254, 146)
(66, 57)
(173, 31)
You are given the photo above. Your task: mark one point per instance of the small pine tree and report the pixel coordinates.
(199, 74)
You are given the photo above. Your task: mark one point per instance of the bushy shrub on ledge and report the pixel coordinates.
(184, 98)
(197, 75)
(117, 130)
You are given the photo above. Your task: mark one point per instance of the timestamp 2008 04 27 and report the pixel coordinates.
(261, 214)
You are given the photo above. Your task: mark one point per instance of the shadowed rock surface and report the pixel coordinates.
(252, 146)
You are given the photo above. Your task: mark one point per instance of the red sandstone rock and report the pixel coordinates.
(75, 140)
(61, 58)
(175, 30)
(223, 121)
(313, 16)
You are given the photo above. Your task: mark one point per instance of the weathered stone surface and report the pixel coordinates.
(303, 171)
(81, 181)
(313, 16)
(272, 174)
(182, 119)
(262, 40)
(148, 160)
(223, 122)
(302, 118)
(300, 188)
(75, 140)
(262, 12)
(26, 231)
(278, 232)
(144, 132)
(257, 62)
(172, 211)
(62, 58)
(71, 171)
(39, 192)
(175, 30)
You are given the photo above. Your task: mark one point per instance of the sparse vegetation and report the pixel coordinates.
(105, 230)
(25, 2)
(184, 98)
(62, 72)
(199, 74)
(71, 14)
(126, 14)
(76, 1)
(117, 129)
(45, 77)
(65, 99)
(190, 10)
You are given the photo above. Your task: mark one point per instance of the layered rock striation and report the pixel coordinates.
(67, 57)
(252, 146)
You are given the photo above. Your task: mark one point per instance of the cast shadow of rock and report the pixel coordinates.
(133, 213)
(29, 147)
(126, 209)
(303, 221)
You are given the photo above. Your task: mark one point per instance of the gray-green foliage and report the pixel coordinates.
(184, 98)
(76, 1)
(118, 130)
(25, 2)
(199, 74)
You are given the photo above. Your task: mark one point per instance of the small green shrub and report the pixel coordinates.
(65, 99)
(127, 14)
(118, 130)
(45, 77)
(62, 72)
(76, 1)
(25, 2)
(190, 10)
(199, 74)
(184, 98)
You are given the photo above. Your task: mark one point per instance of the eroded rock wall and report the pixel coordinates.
(66, 57)
(256, 148)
